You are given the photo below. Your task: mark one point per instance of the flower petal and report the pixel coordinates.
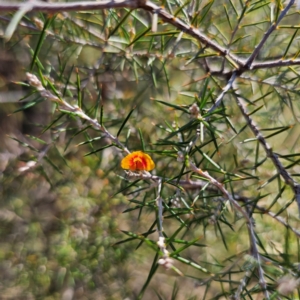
(137, 161)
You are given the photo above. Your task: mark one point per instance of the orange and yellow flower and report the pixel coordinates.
(137, 161)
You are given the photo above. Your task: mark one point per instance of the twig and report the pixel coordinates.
(237, 26)
(241, 286)
(71, 6)
(249, 221)
(267, 212)
(190, 30)
(165, 261)
(275, 64)
(251, 58)
(199, 184)
(64, 106)
(143, 4)
(274, 158)
(291, 88)
(186, 184)
(74, 39)
(279, 219)
(240, 64)
(225, 90)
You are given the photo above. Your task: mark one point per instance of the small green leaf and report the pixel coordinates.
(42, 37)
(98, 150)
(125, 121)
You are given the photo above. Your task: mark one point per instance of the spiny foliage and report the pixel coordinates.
(208, 89)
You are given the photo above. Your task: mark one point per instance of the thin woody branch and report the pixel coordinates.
(265, 82)
(254, 54)
(199, 184)
(282, 171)
(269, 152)
(225, 90)
(239, 63)
(279, 219)
(70, 6)
(133, 4)
(275, 64)
(65, 106)
(190, 30)
(249, 221)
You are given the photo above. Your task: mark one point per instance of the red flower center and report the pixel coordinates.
(139, 163)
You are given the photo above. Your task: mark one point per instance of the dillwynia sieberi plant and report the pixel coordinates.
(192, 110)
